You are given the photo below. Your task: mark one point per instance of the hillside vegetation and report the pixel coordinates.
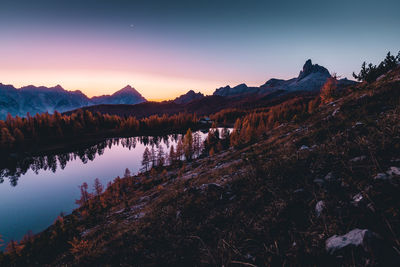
(276, 197)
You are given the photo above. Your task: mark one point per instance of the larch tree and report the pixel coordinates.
(18, 135)
(328, 90)
(197, 145)
(160, 156)
(225, 138)
(146, 159)
(85, 195)
(97, 187)
(153, 156)
(171, 157)
(7, 139)
(127, 173)
(179, 149)
(188, 145)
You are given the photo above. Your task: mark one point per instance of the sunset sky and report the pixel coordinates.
(164, 48)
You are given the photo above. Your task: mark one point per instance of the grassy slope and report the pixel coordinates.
(254, 206)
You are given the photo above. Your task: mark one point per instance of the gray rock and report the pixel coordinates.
(355, 238)
(303, 147)
(390, 173)
(335, 112)
(330, 177)
(319, 207)
(380, 77)
(319, 181)
(371, 207)
(210, 186)
(357, 199)
(382, 176)
(357, 159)
(393, 171)
(297, 191)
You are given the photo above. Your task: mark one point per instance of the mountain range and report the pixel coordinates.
(43, 99)
(311, 78)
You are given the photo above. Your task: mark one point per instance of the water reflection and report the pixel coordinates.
(13, 168)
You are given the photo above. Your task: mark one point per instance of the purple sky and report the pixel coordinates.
(164, 48)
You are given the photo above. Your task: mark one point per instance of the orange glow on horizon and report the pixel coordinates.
(100, 82)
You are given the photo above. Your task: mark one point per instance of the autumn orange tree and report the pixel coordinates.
(188, 145)
(329, 89)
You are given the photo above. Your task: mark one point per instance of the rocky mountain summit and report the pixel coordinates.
(127, 95)
(309, 68)
(188, 97)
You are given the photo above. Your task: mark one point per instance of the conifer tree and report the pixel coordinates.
(98, 187)
(146, 159)
(328, 90)
(171, 158)
(179, 149)
(188, 145)
(127, 173)
(160, 156)
(153, 156)
(197, 145)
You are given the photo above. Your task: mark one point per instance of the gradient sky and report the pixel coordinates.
(164, 48)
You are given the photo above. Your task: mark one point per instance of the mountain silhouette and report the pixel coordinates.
(32, 99)
(188, 97)
(311, 78)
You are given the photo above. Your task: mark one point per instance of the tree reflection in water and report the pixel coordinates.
(12, 167)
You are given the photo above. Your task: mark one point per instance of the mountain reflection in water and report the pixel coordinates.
(14, 168)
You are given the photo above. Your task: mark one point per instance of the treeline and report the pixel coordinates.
(17, 132)
(188, 147)
(255, 125)
(371, 72)
(228, 116)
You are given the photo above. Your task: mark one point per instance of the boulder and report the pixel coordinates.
(356, 238)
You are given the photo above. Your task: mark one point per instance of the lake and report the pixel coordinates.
(35, 190)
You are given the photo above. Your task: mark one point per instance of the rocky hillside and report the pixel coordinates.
(42, 99)
(317, 191)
